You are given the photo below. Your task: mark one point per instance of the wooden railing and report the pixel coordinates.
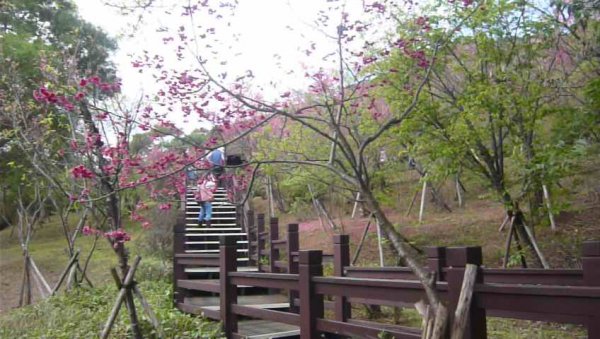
(579, 304)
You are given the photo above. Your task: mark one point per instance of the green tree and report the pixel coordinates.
(504, 102)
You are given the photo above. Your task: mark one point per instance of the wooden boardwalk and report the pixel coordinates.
(196, 258)
(232, 278)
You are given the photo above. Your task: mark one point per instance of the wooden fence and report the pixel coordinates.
(578, 304)
(558, 295)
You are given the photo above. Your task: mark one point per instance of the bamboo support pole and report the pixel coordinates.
(316, 207)
(412, 202)
(38, 285)
(362, 241)
(64, 273)
(549, 206)
(381, 261)
(149, 312)
(355, 205)
(535, 247)
(41, 278)
(461, 314)
(501, 228)
(422, 201)
(459, 193)
(511, 230)
(122, 293)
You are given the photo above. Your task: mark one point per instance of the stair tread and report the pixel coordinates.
(214, 234)
(216, 269)
(211, 242)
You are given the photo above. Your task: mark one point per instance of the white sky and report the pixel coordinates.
(261, 26)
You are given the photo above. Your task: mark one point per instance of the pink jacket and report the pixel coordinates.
(206, 188)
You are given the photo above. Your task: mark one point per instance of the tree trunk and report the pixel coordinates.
(403, 248)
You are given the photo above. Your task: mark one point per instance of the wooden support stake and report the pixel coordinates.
(326, 214)
(412, 202)
(270, 196)
(355, 205)
(511, 231)
(71, 277)
(440, 322)
(549, 206)
(64, 273)
(362, 241)
(23, 284)
(316, 207)
(38, 285)
(149, 312)
(43, 281)
(459, 193)
(461, 314)
(503, 223)
(381, 261)
(535, 247)
(422, 201)
(122, 293)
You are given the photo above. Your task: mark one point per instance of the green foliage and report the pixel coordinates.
(504, 100)
(157, 241)
(83, 312)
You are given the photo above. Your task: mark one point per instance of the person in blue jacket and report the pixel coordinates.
(216, 158)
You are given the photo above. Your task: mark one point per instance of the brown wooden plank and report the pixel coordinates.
(266, 280)
(257, 328)
(364, 330)
(207, 285)
(266, 314)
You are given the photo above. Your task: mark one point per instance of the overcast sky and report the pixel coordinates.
(265, 44)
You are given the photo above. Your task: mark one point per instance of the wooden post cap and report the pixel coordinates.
(341, 239)
(311, 257)
(460, 256)
(292, 228)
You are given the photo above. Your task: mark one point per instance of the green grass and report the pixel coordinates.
(81, 313)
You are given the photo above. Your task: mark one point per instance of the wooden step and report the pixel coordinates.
(214, 212)
(217, 203)
(241, 250)
(216, 269)
(216, 225)
(211, 242)
(215, 234)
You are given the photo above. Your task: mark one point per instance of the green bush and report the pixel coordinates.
(157, 241)
(83, 312)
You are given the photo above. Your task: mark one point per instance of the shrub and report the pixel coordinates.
(83, 312)
(157, 241)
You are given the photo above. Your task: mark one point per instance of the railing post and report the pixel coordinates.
(292, 247)
(311, 304)
(273, 251)
(591, 277)
(178, 270)
(341, 259)
(457, 258)
(436, 261)
(251, 237)
(228, 293)
(260, 242)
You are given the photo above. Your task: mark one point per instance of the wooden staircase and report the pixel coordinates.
(197, 265)
(224, 222)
